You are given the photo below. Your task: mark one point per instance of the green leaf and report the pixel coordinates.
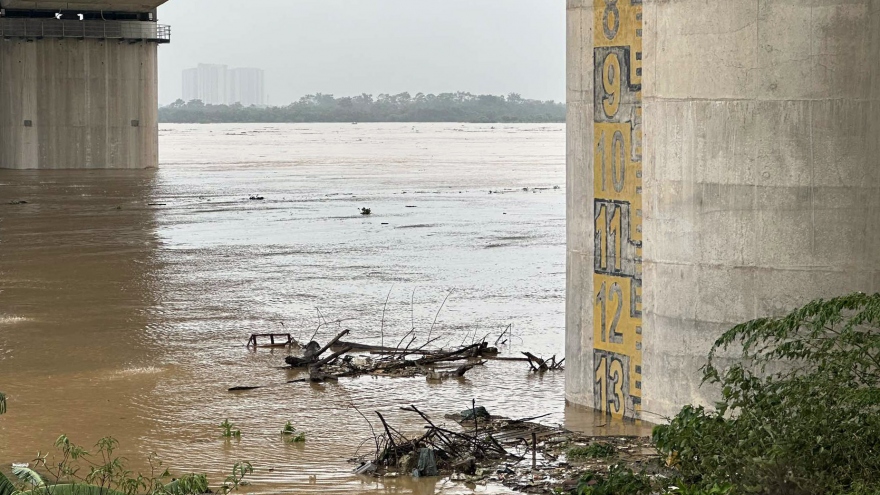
(76, 489)
(27, 475)
(6, 486)
(194, 484)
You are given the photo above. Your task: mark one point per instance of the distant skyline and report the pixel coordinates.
(349, 47)
(217, 84)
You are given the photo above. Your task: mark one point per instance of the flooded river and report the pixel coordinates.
(126, 297)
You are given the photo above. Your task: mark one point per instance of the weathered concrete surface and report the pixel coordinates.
(89, 103)
(762, 120)
(761, 179)
(579, 199)
(90, 5)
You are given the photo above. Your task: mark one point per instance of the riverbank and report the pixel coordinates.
(457, 107)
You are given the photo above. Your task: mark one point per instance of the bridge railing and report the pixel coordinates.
(91, 29)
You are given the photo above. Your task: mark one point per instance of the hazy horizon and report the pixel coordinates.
(349, 47)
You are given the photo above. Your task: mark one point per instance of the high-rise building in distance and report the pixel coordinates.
(218, 85)
(207, 82)
(246, 86)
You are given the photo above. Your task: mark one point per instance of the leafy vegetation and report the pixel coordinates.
(799, 406)
(291, 435)
(593, 451)
(6, 486)
(73, 470)
(403, 107)
(229, 430)
(697, 490)
(236, 479)
(28, 476)
(620, 481)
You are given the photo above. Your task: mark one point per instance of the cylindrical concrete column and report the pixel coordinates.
(761, 179)
(71, 103)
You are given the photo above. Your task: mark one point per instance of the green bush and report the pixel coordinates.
(620, 481)
(698, 490)
(799, 407)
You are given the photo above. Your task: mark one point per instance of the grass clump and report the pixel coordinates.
(593, 451)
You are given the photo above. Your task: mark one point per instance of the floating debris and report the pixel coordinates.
(283, 340)
(540, 365)
(518, 453)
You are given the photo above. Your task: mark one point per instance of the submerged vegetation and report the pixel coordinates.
(229, 430)
(291, 435)
(403, 107)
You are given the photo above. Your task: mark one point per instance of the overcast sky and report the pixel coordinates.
(348, 47)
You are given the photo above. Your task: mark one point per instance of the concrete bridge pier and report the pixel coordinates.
(722, 166)
(78, 84)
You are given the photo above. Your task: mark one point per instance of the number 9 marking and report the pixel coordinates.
(611, 83)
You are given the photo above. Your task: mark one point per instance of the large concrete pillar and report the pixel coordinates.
(761, 184)
(604, 308)
(78, 93)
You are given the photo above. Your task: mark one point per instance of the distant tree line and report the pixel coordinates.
(445, 107)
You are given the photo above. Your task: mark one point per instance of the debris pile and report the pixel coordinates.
(520, 454)
(438, 450)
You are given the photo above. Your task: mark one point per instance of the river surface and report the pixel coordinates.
(127, 297)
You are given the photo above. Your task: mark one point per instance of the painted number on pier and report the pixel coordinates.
(617, 207)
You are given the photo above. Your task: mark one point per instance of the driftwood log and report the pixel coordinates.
(539, 365)
(313, 353)
(396, 361)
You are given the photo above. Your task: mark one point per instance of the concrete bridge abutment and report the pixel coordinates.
(722, 166)
(79, 91)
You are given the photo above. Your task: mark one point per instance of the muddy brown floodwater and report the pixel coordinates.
(126, 297)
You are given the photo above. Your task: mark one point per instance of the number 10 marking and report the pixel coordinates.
(618, 161)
